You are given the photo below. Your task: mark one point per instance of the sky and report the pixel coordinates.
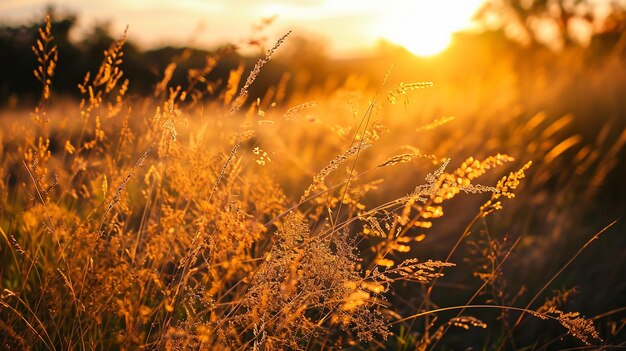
(349, 27)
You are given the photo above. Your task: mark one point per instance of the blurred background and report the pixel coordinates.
(541, 80)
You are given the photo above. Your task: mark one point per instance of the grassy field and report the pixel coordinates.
(375, 210)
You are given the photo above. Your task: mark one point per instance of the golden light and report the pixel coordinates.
(425, 27)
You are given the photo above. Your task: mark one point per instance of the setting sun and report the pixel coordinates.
(425, 27)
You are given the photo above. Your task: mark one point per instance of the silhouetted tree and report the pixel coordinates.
(531, 20)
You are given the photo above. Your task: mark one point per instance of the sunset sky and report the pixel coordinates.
(349, 26)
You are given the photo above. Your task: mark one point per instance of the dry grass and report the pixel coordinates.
(169, 222)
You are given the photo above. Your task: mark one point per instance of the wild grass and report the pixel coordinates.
(183, 221)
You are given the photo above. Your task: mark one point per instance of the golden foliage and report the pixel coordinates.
(142, 227)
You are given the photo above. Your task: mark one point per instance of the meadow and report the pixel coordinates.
(404, 204)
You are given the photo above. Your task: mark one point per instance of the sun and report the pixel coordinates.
(425, 27)
(420, 39)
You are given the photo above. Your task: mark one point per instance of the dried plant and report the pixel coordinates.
(47, 57)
